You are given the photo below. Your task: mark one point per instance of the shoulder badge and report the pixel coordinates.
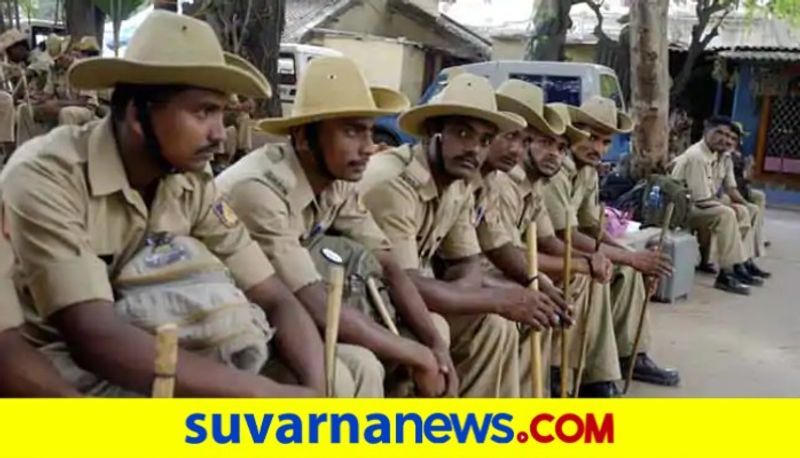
(225, 213)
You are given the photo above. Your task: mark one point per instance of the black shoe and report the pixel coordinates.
(756, 271)
(707, 268)
(727, 282)
(599, 390)
(647, 371)
(741, 274)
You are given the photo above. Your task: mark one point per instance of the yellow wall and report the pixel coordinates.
(393, 64)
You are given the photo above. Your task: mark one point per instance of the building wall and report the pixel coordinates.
(514, 49)
(380, 60)
(746, 109)
(413, 84)
(393, 64)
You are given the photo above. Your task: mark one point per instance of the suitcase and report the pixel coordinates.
(683, 249)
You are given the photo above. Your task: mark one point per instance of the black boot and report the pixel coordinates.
(707, 268)
(727, 282)
(646, 370)
(756, 271)
(741, 274)
(599, 390)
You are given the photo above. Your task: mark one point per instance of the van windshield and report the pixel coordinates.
(609, 88)
(564, 89)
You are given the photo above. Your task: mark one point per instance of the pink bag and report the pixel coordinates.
(617, 221)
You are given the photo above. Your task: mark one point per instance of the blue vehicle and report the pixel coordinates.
(566, 82)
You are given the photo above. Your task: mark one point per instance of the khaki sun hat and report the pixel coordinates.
(464, 95)
(168, 49)
(334, 87)
(11, 37)
(573, 134)
(53, 45)
(602, 113)
(88, 43)
(527, 100)
(240, 62)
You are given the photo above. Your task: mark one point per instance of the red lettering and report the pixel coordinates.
(600, 434)
(560, 430)
(542, 417)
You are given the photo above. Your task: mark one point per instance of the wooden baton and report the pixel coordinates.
(372, 288)
(567, 279)
(333, 312)
(661, 238)
(585, 325)
(166, 361)
(536, 337)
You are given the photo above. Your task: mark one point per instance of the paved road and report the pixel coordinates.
(734, 346)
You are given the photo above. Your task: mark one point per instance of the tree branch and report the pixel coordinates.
(598, 29)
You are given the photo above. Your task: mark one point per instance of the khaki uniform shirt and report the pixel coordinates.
(724, 177)
(75, 221)
(700, 169)
(574, 190)
(418, 219)
(10, 311)
(269, 190)
(506, 205)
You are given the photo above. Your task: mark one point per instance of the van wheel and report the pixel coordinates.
(381, 136)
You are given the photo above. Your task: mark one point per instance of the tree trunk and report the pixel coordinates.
(649, 84)
(550, 25)
(253, 29)
(83, 18)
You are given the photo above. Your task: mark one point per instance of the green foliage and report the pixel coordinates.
(783, 9)
(120, 8)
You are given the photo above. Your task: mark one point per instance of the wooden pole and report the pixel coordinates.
(381, 306)
(648, 296)
(536, 337)
(334, 308)
(567, 278)
(585, 325)
(166, 361)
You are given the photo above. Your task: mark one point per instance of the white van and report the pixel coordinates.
(292, 62)
(567, 82)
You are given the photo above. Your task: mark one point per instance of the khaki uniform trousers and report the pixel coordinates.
(718, 233)
(239, 137)
(628, 294)
(602, 359)
(359, 374)
(486, 351)
(750, 217)
(7, 118)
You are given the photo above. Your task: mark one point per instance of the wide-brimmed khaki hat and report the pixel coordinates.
(334, 87)
(573, 134)
(601, 113)
(88, 43)
(464, 95)
(168, 49)
(53, 45)
(238, 61)
(11, 37)
(527, 100)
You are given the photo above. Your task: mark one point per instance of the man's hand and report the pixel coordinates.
(529, 307)
(428, 378)
(447, 368)
(557, 296)
(602, 267)
(651, 262)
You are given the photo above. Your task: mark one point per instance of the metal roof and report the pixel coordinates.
(761, 55)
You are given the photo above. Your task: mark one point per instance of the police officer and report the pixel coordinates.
(576, 186)
(426, 211)
(712, 219)
(81, 201)
(291, 194)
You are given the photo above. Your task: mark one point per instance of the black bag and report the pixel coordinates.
(670, 190)
(614, 185)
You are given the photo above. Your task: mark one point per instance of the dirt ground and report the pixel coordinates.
(735, 346)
